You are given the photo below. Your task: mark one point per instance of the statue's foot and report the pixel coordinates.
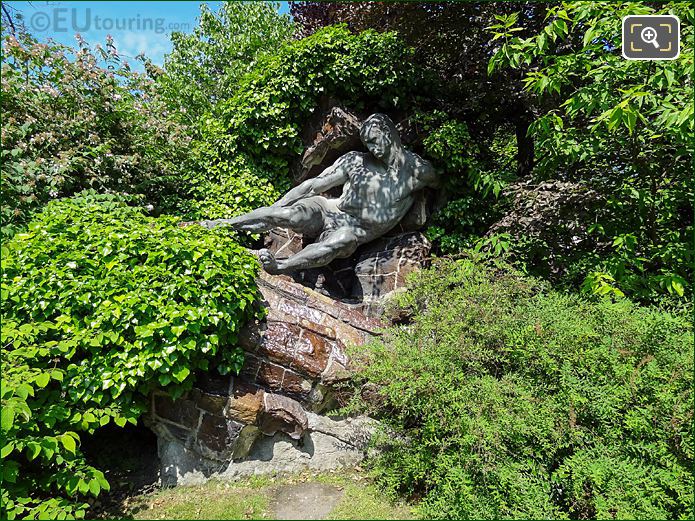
(268, 261)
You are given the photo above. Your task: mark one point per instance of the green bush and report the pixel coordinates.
(257, 131)
(101, 304)
(76, 119)
(474, 173)
(365, 71)
(504, 399)
(214, 190)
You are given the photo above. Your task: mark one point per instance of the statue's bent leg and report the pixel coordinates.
(339, 244)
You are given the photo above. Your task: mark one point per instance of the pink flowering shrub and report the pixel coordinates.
(79, 118)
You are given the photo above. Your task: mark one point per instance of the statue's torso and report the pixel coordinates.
(377, 196)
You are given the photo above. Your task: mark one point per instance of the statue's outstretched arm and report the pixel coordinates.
(334, 175)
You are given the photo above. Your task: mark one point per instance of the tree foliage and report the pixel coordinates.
(205, 66)
(76, 119)
(451, 40)
(621, 128)
(100, 305)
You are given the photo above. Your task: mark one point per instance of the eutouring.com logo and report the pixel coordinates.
(63, 20)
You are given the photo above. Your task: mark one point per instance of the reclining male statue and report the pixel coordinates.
(378, 191)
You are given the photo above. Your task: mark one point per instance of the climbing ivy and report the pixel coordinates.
(257, 133)
(100, 304)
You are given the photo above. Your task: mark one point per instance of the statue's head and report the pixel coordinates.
(379, 135)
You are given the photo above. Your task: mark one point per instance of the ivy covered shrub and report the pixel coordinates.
(257, 130)
(474, 172)
(100, 304)
(504, 399)
(227, 189)
(76, 119)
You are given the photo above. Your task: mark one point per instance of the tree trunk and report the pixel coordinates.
(525, 149)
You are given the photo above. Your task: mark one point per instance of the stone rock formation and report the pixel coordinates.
(368, 278)
(266, 418)
(550, 218)
(337, 133)
(383, 266)
(274, 416)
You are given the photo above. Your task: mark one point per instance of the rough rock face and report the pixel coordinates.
(382, 267)
(368, 277)
(339, 132)
(295, 358)
(551, 216)
(329, 444)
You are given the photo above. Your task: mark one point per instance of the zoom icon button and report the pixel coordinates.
(655, 37)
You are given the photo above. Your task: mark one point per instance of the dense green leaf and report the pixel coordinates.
(500, 392)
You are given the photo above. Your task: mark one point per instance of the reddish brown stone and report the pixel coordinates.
(335, 372)
(270, 375)
(318, 328)
(250, 368)
(270, 297)
(339, 353)
(283, 242)
(359, 321)
(218, 433)
(295, 384)
(325, 305)
(284, 414)
(331, 136)
(311, 354)
(213, 403)
(384, 265)
(245, 403)
(278, 342)
(276, 283)
(387, 262)
(406, 269)
(343, 331)
(183, 412)
(299, 311)
(275, 315)
(380, 263)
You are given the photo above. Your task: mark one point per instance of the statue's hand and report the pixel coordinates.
(205, 224)
(268, 261)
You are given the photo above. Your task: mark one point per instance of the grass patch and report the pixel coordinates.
(252, 498)
(365, 501)
(213, 500)
(362, 499)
